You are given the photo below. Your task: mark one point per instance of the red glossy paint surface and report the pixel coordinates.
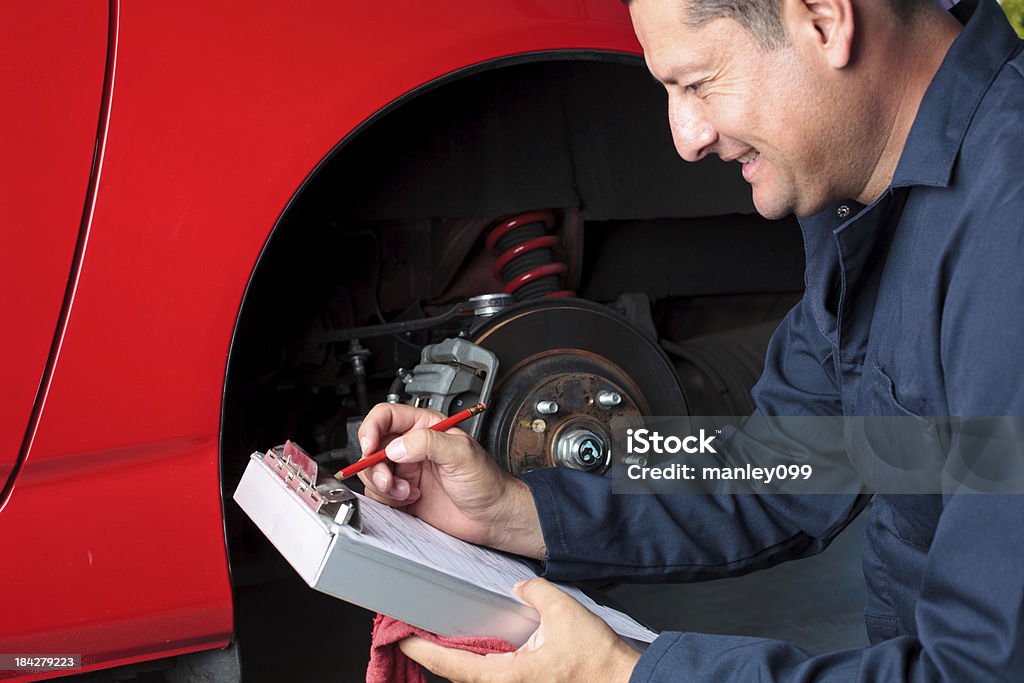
(51, 73)
(219, 111)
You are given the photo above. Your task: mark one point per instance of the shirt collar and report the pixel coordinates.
(976, 56)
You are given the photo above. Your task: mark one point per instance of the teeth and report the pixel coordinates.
(749, 157)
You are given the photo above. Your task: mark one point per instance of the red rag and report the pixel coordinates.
(389, 665)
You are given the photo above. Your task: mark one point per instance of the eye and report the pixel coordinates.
(694, 88)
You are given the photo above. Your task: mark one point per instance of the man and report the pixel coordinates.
(894, 131)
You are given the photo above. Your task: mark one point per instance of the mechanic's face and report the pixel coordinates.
(730, 97)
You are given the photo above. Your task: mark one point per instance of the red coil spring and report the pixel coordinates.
(525, 262)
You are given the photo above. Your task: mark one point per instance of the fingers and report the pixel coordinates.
(379, 478)
(417, 446)
(564, 620)
(392, 418)
(552, 654)
(443, 448)
(400, 494)
(383, 420)
(380, 483)
(457, 665)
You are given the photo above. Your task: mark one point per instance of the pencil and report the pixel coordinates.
(380, 456)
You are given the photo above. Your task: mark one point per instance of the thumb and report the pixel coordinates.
(425, 444)
(544, 596)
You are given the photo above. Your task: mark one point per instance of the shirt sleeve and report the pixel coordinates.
(593, 534)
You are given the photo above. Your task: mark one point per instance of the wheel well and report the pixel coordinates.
(390, 226)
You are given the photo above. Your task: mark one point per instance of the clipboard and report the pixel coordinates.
(361, 551)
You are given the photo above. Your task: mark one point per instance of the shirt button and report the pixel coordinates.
(843, 211)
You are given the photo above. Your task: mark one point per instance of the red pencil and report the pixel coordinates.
(380, 456)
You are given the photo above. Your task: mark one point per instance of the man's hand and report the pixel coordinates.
(448, 480)
(571, 645)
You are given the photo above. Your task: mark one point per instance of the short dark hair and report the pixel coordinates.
(761, 17)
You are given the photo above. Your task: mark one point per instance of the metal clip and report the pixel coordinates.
(324, 496)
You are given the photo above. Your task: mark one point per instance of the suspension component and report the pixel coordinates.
(524, 258)
(357, 355)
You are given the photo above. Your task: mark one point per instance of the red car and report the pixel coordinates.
(228, 224)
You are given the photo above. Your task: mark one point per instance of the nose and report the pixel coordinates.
(692, 134)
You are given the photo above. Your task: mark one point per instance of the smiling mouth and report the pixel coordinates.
(750, 162)
(749, 157)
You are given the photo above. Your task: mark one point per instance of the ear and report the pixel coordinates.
(825, 27)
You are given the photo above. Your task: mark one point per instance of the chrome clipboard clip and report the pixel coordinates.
(323, 495)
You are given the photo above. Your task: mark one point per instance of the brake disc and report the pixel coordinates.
(566, 369)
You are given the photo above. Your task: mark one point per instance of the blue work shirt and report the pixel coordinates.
(913, 306)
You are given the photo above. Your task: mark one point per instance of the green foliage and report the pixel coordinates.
(1015, 11)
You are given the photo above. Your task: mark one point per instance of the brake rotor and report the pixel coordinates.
(566, 369)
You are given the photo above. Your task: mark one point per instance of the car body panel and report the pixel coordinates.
(218, 113)
(51, 67)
